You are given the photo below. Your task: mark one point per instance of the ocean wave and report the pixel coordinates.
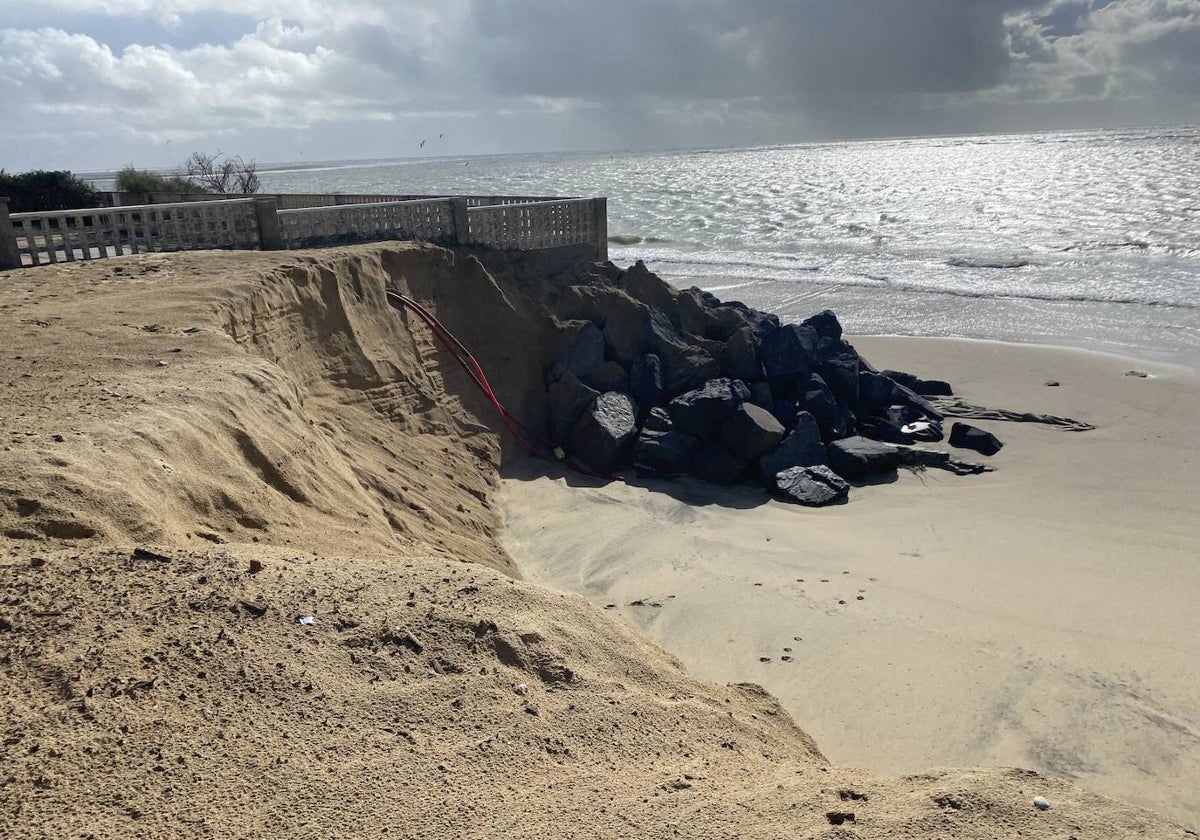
(784, 269)
(631, 239)
(776, 262)
(986, 262)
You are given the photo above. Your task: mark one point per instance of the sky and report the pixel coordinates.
(99, 84)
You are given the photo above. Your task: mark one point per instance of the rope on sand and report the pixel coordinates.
(958, 408)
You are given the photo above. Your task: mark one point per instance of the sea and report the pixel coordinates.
(1087, 239)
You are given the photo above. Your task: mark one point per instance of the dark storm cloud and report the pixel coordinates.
(744, 47)
(275, 77)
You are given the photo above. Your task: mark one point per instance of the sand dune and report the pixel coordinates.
(200, 450)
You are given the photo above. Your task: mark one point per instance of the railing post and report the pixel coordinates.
(10, 257)
(266, 211)
(600, 211)
(462, 221)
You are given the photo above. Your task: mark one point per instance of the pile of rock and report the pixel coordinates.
(678, 383)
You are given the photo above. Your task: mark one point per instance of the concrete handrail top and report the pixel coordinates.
(95, 211)
(525, 204)
(335, 208)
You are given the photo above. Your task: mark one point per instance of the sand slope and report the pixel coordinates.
(306, 452)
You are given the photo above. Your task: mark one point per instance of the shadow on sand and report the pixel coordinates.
(689, 491)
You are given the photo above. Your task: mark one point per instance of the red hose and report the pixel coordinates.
(462, 355)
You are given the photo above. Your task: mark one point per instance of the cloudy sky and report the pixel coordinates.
(94, 84)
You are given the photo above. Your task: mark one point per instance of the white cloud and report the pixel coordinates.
(523, 73)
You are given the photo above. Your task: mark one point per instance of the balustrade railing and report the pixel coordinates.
(501, 222)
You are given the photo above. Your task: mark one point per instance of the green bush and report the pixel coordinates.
(44, 190)
(141, 182)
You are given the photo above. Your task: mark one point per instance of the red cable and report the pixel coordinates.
(473, 370)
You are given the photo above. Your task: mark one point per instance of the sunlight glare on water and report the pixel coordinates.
(1079, 238)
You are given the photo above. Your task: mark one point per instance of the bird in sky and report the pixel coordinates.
(422, 144)
(440, 136)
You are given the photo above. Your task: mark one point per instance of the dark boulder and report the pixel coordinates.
(825, 325)
(643, 284)
(877, 428)
(665, 453)
(819, 401)
(912, 456)
(859, 457)
(874, 392)
(702, 411)
(608, 376)
(761, 396)
(924, 387)
(965, 436)
(801, 448)
(646, 383)
(844, 424)
(686, 366)
(631, 328)
(901, 415)
(740, 357)
(839, 365)
(785, 410)
(906, 396)
(606, 432)
(811, 486)
(750, 431)
(568, 399)
(586, 350)
(717, 465)
(657, 420)
(761, 322)
(788, 355)
(701, 314)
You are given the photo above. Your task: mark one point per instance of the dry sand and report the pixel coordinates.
(1044, 615)
(197, 451)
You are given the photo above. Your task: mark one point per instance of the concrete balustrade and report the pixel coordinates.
(268, 223)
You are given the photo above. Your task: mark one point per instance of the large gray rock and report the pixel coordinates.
(858, 457)
(605, 433)
(717, 465)
(569, 398)
(789, 354)
(702, 411)
(750, 431)
(801, 448)
(665, 453)
(811, 486)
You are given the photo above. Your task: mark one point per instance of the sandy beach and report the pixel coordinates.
(1043, 615)
(252, 585)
